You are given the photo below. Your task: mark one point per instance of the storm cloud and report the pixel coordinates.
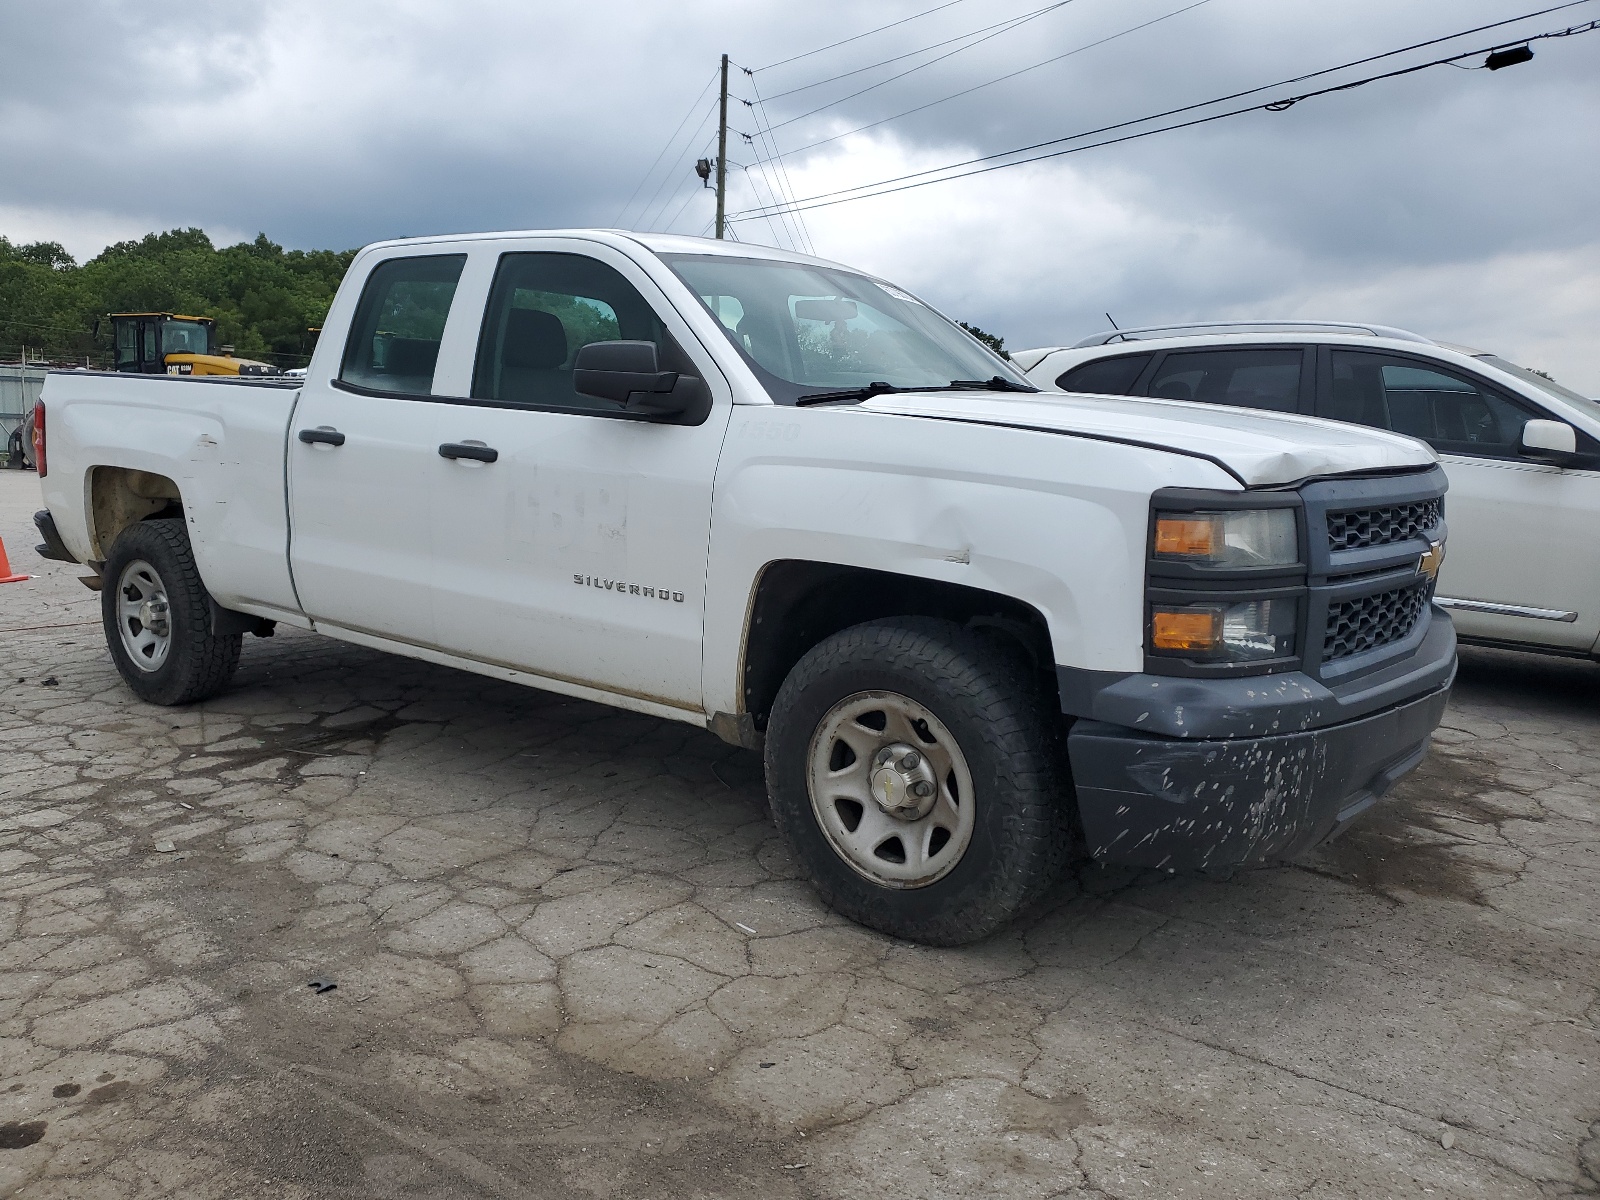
(1456, 202)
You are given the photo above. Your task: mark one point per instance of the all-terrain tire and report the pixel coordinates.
(198, 662)
(989, 701)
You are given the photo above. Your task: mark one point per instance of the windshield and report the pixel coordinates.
(808, 329)
(185, 337)
(1583, 404)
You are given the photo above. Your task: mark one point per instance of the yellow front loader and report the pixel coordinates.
(174, 344)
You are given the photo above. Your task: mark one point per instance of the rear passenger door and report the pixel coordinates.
(363, 456)
(1272, 378)
(1520, 564)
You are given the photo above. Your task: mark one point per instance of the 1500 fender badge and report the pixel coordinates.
(631, 589)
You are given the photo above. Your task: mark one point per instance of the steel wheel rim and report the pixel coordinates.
(144, 617)
(862, 802)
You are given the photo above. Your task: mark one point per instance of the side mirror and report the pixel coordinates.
(1549, 441)
(627, 373)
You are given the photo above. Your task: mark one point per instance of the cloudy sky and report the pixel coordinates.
(1459, 203)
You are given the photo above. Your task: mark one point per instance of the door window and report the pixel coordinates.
(148, 328)
(399, 322)
(127, 344)
(1106, 376)
(543, 309)
(1266, 379)
(1452, 413)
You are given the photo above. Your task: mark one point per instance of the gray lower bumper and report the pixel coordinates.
(1183, 804)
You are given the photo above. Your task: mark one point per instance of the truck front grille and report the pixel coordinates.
(1358, 528)
(1368, 622)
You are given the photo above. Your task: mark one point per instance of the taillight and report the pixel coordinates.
(38, 438)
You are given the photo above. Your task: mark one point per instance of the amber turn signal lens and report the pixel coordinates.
(1186, 629)
(1190, 537)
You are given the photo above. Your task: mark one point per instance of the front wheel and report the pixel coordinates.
(157, 616)
(912, 767)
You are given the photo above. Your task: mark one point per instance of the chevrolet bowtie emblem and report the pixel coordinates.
(1428, 565)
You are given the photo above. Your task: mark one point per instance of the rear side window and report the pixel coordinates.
(399, 322)
(1265, 379)
(1453, 414)
(542, 310)
(1106, 376)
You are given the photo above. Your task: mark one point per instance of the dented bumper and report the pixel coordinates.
(1182, 804)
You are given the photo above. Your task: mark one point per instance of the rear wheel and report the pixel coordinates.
(157, 616)
(912, 767)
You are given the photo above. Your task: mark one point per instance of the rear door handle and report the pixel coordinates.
(328, 437)
(487, 454)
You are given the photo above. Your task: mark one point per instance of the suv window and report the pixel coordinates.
(399, 322)
(1267, 379)
(1453, 414)
(1106, 376)
(542, 310)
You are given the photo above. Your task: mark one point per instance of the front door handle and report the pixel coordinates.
(487, 454)
(328, 437)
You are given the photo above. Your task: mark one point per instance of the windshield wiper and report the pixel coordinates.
(856, 395)
(853, 395)
(997, 384)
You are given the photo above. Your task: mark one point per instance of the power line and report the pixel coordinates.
(826, 199)
(759, 111)
(1008, 27)
(806, 87)
(650, 205)
(927, 12)
(1000, 79)
(667, 145)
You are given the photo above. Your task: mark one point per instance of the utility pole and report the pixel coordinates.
(722, 153)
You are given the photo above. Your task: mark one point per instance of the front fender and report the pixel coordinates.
(1054, 521)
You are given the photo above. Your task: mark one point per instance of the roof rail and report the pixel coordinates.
(1134, 335)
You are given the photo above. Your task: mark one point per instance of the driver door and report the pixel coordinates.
(571, 540)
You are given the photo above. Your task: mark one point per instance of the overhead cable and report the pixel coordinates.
(988, 162)
(927, 12)
(1000, 79)
(667, 145)
(650, 205)
(960, 37)
(1006, 28)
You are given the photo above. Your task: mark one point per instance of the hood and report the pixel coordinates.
(1260, 449)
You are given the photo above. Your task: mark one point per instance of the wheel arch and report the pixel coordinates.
(123, 496)
(797, 603)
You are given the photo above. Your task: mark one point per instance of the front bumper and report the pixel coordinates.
(1188, 804)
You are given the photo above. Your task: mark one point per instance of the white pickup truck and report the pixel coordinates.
(976, 628)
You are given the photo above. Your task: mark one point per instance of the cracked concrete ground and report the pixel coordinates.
(572, 959)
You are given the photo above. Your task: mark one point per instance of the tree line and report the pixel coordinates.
(265, 299)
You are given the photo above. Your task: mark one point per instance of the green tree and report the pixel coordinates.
(997, 344)
(264, 298)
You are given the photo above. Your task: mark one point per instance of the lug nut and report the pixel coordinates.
(911, 761)
(922, 789)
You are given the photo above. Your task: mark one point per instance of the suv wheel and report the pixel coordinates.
(157, 616)
(912, 768)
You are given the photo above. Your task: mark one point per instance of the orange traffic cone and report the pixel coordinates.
(5, 567)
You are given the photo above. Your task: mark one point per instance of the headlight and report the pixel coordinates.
(1244, 632)
(1250, 537)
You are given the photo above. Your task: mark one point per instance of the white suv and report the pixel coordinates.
(1522, 453)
